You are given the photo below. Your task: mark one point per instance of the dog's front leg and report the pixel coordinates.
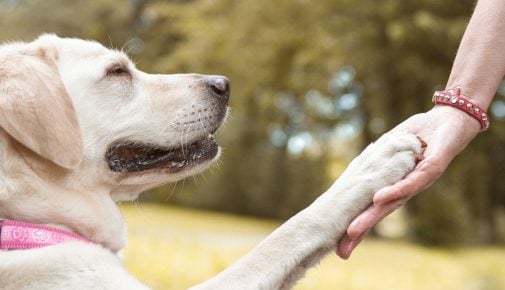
(284, 256)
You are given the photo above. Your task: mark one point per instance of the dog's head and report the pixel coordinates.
(88, 128)
(78, 104)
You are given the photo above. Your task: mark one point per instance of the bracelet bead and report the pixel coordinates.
(453, 98)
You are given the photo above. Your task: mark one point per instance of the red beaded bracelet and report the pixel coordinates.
(453, 98)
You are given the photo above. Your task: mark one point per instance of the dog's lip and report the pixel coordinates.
(130, 156)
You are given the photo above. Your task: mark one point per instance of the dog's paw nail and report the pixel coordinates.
(423, 143)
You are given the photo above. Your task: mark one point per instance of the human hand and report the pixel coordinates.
(447, 131)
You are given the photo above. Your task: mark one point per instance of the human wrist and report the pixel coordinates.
(465, 121)
(453, 98)
(479, 96)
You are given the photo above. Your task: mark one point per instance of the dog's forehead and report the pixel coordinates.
(80, 49)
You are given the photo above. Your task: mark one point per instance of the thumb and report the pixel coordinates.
(346, 245)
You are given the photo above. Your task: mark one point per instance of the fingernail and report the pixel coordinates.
(348, 250)
(423, 143)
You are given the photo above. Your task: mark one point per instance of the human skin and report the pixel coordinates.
(477, 70)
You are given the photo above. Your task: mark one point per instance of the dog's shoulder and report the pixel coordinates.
(75, 265)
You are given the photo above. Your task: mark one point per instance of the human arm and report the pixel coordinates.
(478, 68)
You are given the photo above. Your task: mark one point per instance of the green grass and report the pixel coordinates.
(173, 248)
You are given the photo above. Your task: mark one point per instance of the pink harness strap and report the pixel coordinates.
(17, 235)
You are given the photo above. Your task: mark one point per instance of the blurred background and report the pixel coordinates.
(313, 82)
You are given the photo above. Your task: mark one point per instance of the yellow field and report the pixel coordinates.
(173, 248)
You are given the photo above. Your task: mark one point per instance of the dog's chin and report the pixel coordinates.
(131, 157)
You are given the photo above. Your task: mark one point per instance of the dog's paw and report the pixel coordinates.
(386, 161)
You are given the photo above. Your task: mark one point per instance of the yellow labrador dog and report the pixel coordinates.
(81, 129)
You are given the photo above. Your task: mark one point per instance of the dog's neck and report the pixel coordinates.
(34, 190)
(19, 235)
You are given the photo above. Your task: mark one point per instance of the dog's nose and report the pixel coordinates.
(220, 86)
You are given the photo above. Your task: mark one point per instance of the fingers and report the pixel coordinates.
(371, 216)
(346, 246)
(362, 224)
(389, 199)
(425, 173)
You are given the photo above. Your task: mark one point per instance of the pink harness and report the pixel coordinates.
(17, 235)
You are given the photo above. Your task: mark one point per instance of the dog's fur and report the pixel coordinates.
(67, 106)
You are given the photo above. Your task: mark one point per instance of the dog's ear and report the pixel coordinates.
(35, 108)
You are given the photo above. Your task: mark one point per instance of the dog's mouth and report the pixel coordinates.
(128, 156)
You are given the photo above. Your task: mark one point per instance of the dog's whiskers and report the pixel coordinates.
(183, 183)
(195, 180)
(204, 177)
(126, 44)
(181, 139)
(202, 126)
(169, 196)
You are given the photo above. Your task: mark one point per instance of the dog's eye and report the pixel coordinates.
(117, 71)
